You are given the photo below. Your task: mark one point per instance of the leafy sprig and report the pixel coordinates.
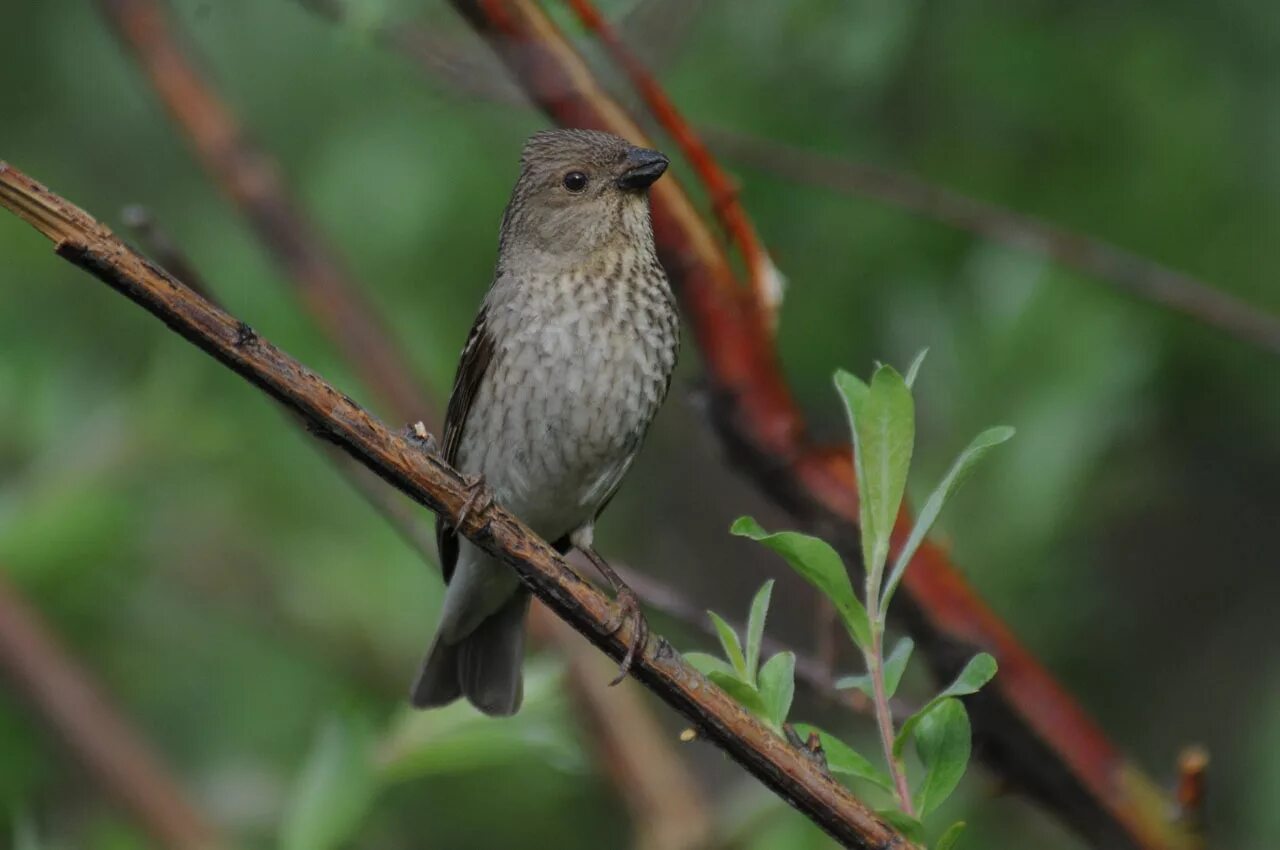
(882, 420)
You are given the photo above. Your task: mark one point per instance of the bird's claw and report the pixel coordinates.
(629, 608)
(479, 497)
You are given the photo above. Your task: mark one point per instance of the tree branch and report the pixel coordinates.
(430, 481)
(1030, 729)
(77, 710)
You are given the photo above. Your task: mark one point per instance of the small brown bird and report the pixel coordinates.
(567, 363)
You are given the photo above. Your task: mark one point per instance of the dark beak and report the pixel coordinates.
(643, 167)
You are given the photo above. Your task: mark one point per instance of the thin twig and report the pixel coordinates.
(761, 274)
(247, 175)
(1099, 260)
(445, 60)
(79, 713)
(427, 479)
(1028, 727)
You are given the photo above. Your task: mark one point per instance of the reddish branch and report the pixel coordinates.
(1030, 729)
(723, 192)
(78, 712)
(448, 61)
(250, 178)
(424, 477)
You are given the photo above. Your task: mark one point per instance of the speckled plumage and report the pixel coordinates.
(568, 362)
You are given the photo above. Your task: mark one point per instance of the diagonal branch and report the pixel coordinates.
(428, 480)
(1030, 729)
(626, 740)
(82, 717)
(761, 274)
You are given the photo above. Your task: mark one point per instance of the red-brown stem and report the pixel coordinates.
(1028, 726)
(723, 191)
(874, 657)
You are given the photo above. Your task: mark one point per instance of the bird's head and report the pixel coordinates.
(581, 194)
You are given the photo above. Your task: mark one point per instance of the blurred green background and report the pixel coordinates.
(247, 609)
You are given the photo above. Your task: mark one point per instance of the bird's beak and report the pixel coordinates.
(643, 167)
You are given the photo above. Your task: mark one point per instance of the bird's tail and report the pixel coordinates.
(484, 666)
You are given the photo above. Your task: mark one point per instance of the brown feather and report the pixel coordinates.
(476, 356)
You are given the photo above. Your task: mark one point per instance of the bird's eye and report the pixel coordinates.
(575, 181)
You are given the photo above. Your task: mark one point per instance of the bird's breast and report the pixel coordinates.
(580, 369)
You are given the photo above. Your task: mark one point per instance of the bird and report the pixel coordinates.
(567, 363)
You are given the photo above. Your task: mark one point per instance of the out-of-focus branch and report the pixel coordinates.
(1030, 730)
(426, 478)
(1102, 261)
(249, 176)
(252, 181)
(77, 711)
(446, 61)
(762, 275)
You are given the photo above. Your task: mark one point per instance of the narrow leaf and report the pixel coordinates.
(746, 696)
(914, 369)
(949, 838)
(943, 741)
(755, 627)
(821, 566)
(334, 791)
(778, 686)
(955, 476)
(729, 640)
(910, 828)
(706, 664)
(844, 759)
(883, 437)
(980, 670)
(894, 666)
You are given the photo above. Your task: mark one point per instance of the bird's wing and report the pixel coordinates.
(476, 356)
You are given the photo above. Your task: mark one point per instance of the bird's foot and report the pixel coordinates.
(479, 497)
(629, 609)
(418, 434)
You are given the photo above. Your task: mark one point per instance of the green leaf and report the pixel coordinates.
(334, 792)
(821, 566)
(732, 649)
(914, 368)
(910, 828)
(949, 838)
(844, 759)
(883, 424)
(943, 740)
(706, 664)
(746, 696)
(755, 627)
(980, 670)
(894, 666)
(778, 686)
(955, 476)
